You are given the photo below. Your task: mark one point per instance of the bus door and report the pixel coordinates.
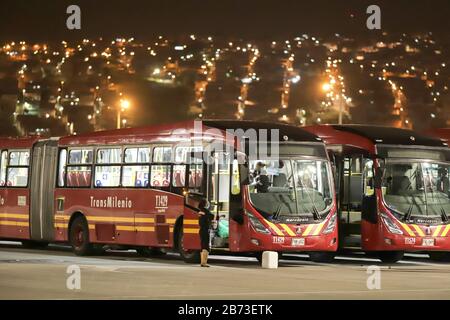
(15, 198)
(351, 193)
(3, 162)
(219, 197)
(197, 189)
(42, 183)
(369, 215)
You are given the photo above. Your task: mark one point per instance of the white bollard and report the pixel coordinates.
(270, 260)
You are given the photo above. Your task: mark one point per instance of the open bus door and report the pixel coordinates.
(188, 238)
(216, 187)
(350, 209)
(358, 202)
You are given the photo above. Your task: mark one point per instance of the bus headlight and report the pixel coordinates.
(331, 224)
(256, 224)
(390, 225)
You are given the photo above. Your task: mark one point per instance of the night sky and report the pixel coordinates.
(35, 20)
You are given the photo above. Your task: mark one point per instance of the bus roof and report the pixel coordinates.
(172, 132)
(293, 133)
(389, 135)
(21, 142)
(365, 137)
(441, 133)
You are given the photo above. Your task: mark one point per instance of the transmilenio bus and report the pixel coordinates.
(139, 187)
(392, 188)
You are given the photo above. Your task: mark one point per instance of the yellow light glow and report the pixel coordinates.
(124, 103)
(326, 87)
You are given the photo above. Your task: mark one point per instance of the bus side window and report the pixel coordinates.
(195, 177)
(62, 168)
(179, 175)
(79, 169)
(162, 154)
(160, 176)
(3, 168)
(368, 179)
(17, 171)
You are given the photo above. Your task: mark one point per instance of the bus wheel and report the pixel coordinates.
(439, 256)
(258, 256)
(150, 251)
(322, 257)
(189, 256)
(79, 237)
(390, 256)
(30, 244)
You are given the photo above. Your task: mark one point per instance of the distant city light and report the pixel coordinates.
(295, 79)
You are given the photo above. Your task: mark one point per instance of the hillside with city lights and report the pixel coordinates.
(73, 87)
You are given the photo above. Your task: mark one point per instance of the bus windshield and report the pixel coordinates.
(417, 189)
(291, 190)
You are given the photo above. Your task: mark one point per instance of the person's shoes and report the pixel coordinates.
(204, 258)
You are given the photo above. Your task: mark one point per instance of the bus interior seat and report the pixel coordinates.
(178, 181)
(86, 181)
(280, 180)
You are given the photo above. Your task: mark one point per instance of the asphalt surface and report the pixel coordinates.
(42, 274)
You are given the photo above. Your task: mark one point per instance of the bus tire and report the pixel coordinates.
(189, 256)
(440, 256)
(30, 244)
(79, 237)
(258, 256)
(150, 251)
(390, 256)
(322, 257)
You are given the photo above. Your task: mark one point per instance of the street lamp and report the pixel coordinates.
(326, 87)
(124, 104)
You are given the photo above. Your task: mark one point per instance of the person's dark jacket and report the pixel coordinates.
(205, 220)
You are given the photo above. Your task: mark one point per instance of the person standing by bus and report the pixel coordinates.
(205, 219)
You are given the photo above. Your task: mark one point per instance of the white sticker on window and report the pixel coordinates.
(22, 201)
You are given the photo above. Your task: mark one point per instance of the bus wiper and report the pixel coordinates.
(444, 215)
(277, 212)
(408, 213)
(315, 212)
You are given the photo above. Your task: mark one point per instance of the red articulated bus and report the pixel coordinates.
(138, 188)
(392, 190)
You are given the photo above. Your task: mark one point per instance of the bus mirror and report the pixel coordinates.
(244, 174)
(381, 164)
(379, 173)
(235, 178)
(378, 179)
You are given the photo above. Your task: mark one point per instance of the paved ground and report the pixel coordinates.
(42, 274)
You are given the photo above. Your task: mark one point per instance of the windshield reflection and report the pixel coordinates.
(291, 187)
(417, 189)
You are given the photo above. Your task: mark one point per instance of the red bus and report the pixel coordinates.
(441, 133)
(389, 190)
(139, 187)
